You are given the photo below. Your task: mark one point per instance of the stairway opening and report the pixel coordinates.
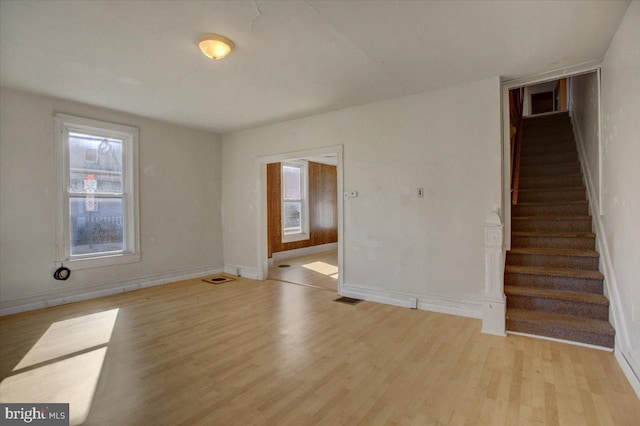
(552, 282)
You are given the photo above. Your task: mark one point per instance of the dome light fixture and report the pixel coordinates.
(215, 46)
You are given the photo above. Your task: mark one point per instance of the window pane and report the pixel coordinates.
(95, 164)
(291, 187)
(96, 225)
(292, 217)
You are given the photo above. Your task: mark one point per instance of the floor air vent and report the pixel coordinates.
(348, 300)
(284, 266)
(219, 279)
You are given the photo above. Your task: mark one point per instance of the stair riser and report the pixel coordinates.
(535, 225)
(537, 149)
(586, 243)
(561, 126)
(541, 329)
(549, 127)
(557, 306)
(546, 139)
(550, 170)
(549, 194)
(554, 282)
(550, 210)
(563, 157)
(553, 261)
(564, 125)
(551, 182)
(547, 120)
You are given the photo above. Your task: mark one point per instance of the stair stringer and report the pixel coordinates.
(606, 265)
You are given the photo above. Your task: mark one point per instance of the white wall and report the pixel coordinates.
(180, 212)
(621, 175)
(584, 115)
(446, 141)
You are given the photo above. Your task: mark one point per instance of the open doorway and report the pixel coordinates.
(302, 217)
(560, 84)
(548, 97)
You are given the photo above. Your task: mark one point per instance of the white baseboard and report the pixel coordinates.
(304, 251)
(445, 305)
(629, 367)
(55, 299)
(241, 271)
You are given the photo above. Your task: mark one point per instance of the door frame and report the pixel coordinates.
(263, 262)
(506, 85)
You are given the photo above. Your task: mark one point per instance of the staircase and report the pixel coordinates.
(552, 282)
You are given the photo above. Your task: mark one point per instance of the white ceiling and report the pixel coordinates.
(292, 58)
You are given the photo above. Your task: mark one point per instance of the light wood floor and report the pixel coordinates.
(318, 270)
(274, 353)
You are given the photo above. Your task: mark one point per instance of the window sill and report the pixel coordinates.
(98, 261)
(295, 237)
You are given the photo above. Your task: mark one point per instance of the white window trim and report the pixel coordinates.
(64, 123)
(304, 235)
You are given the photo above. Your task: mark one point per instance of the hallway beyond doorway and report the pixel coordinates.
(316, 270)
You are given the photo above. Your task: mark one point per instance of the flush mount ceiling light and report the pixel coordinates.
(215, 46)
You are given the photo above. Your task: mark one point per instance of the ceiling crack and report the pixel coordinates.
(253, 21)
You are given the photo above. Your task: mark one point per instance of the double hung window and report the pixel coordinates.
(295, 203)
(98, 200)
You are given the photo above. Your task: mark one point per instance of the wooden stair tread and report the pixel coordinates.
(550, 202)
(550, 177)
(547, 293)
(553, 234)
(555, 251)
(538, 166)
(551, 218)
(557, 188)
(546, 159)
(557, 272)
(547, 140)
(563, 321)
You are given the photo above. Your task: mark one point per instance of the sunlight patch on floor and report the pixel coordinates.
(68, 360)
(72, 380)
(71, 336)
(322, 268)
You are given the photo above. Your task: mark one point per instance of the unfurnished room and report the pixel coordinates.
(265, 212)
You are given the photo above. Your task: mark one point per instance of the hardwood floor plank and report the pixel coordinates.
(254, 353)
(316, 270)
